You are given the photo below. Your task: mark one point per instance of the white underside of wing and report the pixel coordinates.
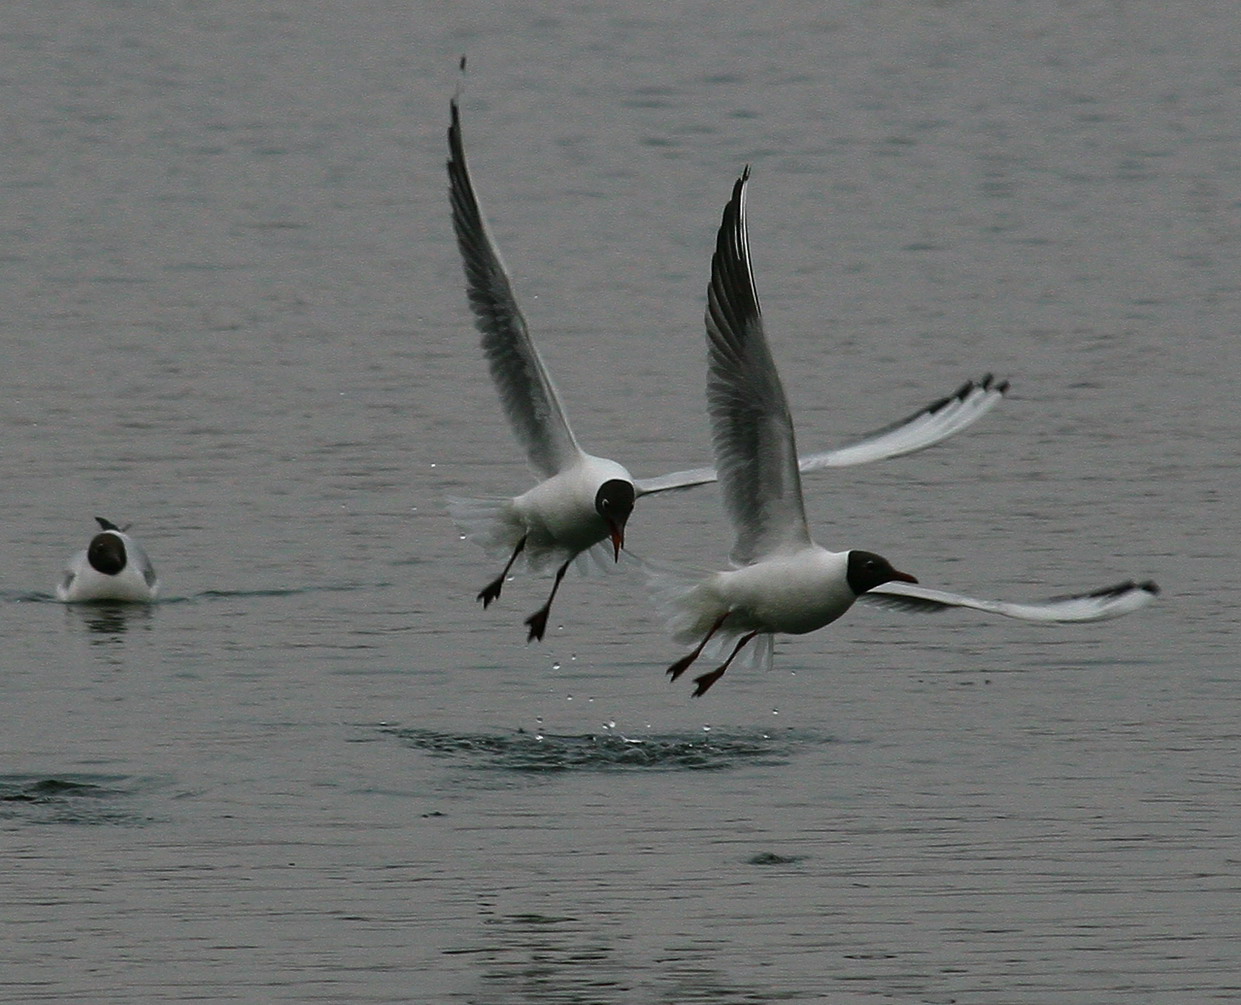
(933, 424)
(1097, 605)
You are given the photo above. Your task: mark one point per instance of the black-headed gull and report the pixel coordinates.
(581, 504)
(782, 582)
(113, 567)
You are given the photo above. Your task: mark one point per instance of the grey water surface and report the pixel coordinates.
(317, 771)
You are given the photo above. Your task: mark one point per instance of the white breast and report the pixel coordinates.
(794, 593)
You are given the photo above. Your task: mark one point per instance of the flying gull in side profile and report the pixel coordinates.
(114, 567)
(580, 506)
(782, 582)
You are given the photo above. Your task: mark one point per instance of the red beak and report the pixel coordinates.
(618, 539)
(904, 577)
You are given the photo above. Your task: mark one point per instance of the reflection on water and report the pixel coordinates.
(108, 622)
(571, 960)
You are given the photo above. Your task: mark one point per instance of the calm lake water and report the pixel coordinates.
(317, 771)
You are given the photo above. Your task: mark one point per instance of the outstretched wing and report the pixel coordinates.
(526, 391)
(1098, 605)
(925, 428)
(752, 431)
(928, 426)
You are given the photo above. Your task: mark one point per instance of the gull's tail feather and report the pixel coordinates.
(690, 605)
(491, 523)
(758, 654)
(681, 598)
(600, 558)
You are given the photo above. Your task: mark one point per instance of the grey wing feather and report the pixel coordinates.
(526, 391)
(1097, 605)
(926, 427)
(675, 480)
(142, 561)
(148, 572)
(752, 431)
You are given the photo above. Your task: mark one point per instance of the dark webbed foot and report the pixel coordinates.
(706, 680)
(491, 591)
(681, 665)
(538, 624)
(538, 620)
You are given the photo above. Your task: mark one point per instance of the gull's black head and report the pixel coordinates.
(614, 502)
(868, 570)
(106, 553)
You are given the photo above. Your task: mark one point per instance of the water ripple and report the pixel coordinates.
(68, 799)
(526, 751)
